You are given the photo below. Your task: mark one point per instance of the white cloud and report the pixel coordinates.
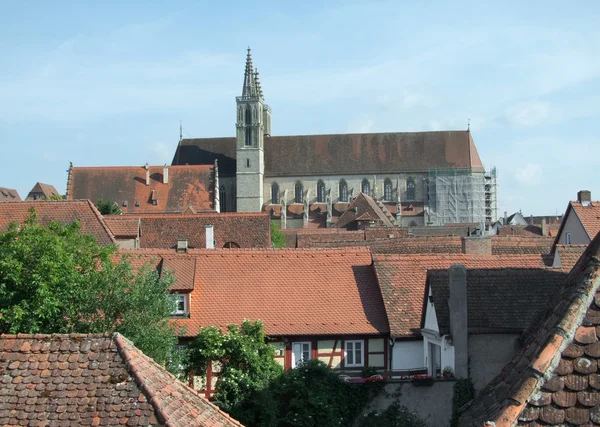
(531, 174)
(528, 113)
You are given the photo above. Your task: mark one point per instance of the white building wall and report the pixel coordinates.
(572, 225)
(407, 355)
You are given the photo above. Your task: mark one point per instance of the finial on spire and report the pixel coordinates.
(180, 130)
(469, 125)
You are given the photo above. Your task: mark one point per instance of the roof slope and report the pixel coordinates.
(9, 195)
(589, 216)
(93, 380)
(504, 300)
(62, 211)
(123, 226)
(554, 379)
(342, 154)
(46, 190)
(247, 230)
(362, 208)
(187, 186)
(293, 292)
(569, 255)
(402, 279)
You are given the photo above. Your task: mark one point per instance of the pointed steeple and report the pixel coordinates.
(257, 84)
(249, 89)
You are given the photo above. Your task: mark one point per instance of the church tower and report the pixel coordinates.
(253, 123)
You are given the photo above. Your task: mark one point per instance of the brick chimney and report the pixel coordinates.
(166, 174)
(147, 167)
(544, 227)
(584, 197)
(476, 245)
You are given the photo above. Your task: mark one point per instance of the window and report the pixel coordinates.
(180, 302)
(320, 192)
(274, 193)
(568, 238)
(300, 353)
(279, 348)
(387, 190)
(248, 123)
(343, 191)
(223, 199)
(354, 353)
(366, 187)
(155, 202)
(247, 163)
(298, 194)
(410, 189)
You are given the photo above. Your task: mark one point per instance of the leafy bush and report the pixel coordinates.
(277, 237)
(464, 391)
(108, 207)
(394, 416)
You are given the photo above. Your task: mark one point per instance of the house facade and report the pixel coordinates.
(581, 221)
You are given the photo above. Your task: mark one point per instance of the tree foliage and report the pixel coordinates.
(393, 416)
(308, 395)
(245, 360)
(277, 237)
(108, 207)
(464, 391)
(54, 279)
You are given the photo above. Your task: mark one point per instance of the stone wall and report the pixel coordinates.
(488, 354)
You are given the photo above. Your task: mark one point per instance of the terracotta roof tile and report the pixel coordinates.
(93, 380)
(589, 216)
(187, 186)
(9, 195)
(562, 350)
(123, 226)
(61, 211)
(294, 292)
(246, 230)
(369, 153)
(363, 208)
(42, 190)
(402, 279)
(569, 255)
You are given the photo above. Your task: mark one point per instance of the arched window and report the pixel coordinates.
(248, 123)
(387, 190)
(231, 245)
(274, 193)
(298, 193)
(343, 191)
(223, 199)
(410, 189)
(366, 187)
(320, 192)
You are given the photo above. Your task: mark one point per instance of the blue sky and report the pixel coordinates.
(106, 83)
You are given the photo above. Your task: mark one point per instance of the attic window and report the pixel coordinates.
(137, 203)
(154, 197)
(155, 202)
(125, 203)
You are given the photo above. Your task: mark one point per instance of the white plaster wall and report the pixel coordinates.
(431, 322)
(578, 233)
(407, 355)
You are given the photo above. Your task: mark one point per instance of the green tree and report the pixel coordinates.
(247, 362)
(54, 197)
(108, 207)
(54, 279)
(393, 416)
(277, 237)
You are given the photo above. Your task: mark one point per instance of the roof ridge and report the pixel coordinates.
(60, 336)
(102, 223)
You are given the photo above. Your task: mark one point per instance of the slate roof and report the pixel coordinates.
(363, 208)
(342, 154)
(73, 380)
(9, 195)
(123, 226)
(187, 186)
(402, 279)
(247, 230)
(555, 378)
(62, 211)
(294, 292)
(568, 255)
(504, 300)
(42, 190)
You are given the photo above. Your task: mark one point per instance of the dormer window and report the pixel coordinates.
(180, 302)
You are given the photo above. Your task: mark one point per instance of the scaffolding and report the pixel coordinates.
(456, 196)
(491, 196)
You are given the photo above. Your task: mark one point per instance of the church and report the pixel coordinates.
(414, 178)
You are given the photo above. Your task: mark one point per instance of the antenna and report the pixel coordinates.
(180, 130)
(468, 125)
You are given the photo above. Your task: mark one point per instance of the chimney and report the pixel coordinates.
(147, 167)
(165, 174)
(544, 227)
(477, 245)
(530, 219)
(505, 218)
(210, 237)
(182, 246)
(584, 197)
(457, 303)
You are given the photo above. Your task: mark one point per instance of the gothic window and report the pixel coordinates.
(366, 187)
(343, 191)
(387, 190)
(248, 129)
(410, 189)
(223, 199)
(274, 193)
(298, 193)
(320, 192)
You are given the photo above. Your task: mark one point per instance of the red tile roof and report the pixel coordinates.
(293, 292)
(363, 208)
(61, 211)
(187, 186)
(402, 280)
(569, 255)
(77, 379)
(42, 190)
(9, 195)
(123, 226)
(554, 379)
(589, 217)
(247, 230)
(519, 230)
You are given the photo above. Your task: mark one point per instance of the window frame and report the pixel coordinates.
(321, 191)
(343, 190)
(411, 189)
(365, 184)
(387, 185)
(568, 238)
(295, 362)
(275, 200)
(298, 192)
(353, 351)
(177, 297)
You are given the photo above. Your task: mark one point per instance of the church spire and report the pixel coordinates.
(249, 90)
(257, 84)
